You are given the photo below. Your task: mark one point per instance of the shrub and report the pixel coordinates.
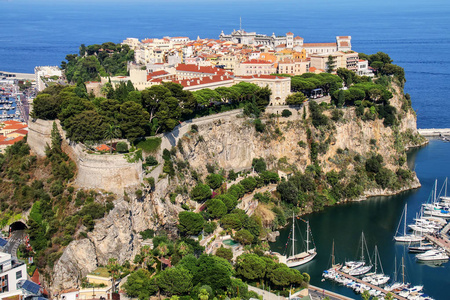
(122, 147)
(214, 180)
(259, 126)
(151, 160)
(286, 113)
(194, 128)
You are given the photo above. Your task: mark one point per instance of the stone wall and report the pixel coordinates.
(99, 171)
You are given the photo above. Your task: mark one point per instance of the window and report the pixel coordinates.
(19, 274)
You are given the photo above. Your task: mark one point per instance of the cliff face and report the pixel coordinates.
(230, 141)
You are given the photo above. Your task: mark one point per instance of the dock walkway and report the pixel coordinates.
(370, 285)
(434, 131)
(440, 241)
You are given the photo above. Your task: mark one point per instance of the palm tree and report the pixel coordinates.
(111, 132)
(113, 268)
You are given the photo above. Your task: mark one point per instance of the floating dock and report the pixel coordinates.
(370, 285)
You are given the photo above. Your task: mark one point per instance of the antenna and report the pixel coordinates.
(240, 23)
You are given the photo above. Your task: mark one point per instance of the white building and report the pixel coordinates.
(46, 74)
(11, 272)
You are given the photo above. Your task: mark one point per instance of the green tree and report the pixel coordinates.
(296, 98)
(140, 285)
(176, 280)
(250, 267)
(112, 131)
(201, 192)
(331, 64)
(224, 253)
(214, 271)
(244, 237)
(216, 208)
(214, 180)
(190, 223)
(259, 165)
(113, 269)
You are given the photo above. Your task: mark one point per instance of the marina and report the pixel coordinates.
(378, 218)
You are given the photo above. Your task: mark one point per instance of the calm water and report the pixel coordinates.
(416, 34)
(378, 217)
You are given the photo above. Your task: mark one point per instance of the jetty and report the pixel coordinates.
(370, 285)
(440, 240)
(435, 132)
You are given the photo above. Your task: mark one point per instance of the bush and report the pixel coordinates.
(122, 147)
(259, 126)
(214, 181)
(151, 160)
(286, 113)
(194, 128)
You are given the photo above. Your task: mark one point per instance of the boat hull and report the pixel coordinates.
(302, 261)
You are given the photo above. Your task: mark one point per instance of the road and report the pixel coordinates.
(13, 243)
(317, 293)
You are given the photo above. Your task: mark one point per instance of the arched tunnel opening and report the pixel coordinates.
(19, 225)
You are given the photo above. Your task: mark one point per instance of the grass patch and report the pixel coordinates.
(101, 271)
(149, 145)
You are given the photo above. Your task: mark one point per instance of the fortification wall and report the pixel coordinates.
(99, 171)
(39, 135)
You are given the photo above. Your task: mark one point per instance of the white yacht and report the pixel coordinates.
(432, 255)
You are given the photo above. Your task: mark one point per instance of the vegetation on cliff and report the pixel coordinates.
(57, 213)
(136, 114)
(96, 60)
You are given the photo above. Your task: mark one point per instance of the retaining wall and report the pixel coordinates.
(99, 171)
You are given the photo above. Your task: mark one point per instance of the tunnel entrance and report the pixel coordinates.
(19, 225)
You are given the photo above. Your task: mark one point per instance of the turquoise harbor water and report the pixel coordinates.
(378, 218)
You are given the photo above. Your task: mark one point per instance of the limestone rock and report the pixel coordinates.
(77, 261)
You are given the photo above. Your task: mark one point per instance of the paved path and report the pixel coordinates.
(13, 243)
(266, 295)
(317, 293)
(440, 240)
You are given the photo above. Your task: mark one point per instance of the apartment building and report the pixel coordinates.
(11, 273)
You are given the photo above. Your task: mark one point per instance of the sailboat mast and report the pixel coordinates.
(293, 234)
(362, 246)
(435, 191)
(307, 236)
(332, 255)
(403, 269)
(404, 226)
(376, 252)
(395, 269)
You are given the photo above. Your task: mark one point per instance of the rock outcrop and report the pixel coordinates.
(229, 141)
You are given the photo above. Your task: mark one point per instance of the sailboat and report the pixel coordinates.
(397, 286)
(378, 278)
(406, 237)
(298, 259)
(356, 268)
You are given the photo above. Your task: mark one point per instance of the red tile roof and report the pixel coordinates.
(298, 38)
(203, 80)
(257, 61)
(199, 69)
(15, 126)
(289, 33)
(156, 73)
(264, 77)
(11, 141)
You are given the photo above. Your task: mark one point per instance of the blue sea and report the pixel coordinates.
(416, 34)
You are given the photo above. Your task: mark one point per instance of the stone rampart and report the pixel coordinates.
(39, 135)
(99, 171)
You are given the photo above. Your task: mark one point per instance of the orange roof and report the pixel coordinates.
(156, 73)
(20, 131)
(11, 141)
(298, 38)
(103, 147)
(312, 69)
(256, 61)
(199, 69)
(203, 80)
(319, 44)
(343, 37)
(11, 122)
(289, 33)
(15, 126)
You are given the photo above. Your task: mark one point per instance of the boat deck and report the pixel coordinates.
(370, 285)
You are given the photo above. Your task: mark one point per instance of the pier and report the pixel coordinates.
(441, 240)
(370, 285)
(435, 132)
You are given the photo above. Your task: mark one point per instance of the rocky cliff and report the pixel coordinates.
(230, 141)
